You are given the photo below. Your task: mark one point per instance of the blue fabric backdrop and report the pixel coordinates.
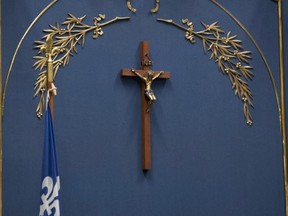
(205, 160)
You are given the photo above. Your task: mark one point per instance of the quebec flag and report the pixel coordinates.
(49, 200)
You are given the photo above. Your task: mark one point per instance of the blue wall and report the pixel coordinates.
(205, 160)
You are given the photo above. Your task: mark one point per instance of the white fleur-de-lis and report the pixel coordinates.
(50, 198)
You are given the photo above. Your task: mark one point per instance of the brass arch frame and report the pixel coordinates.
(282, 94)
(1, 119)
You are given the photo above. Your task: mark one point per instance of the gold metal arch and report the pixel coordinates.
(282, 91)
(283, 108)
(3, 92)
(1, 119)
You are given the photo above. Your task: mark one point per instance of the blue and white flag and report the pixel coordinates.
(50, 204)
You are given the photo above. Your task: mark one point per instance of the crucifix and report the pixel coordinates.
(147, 98)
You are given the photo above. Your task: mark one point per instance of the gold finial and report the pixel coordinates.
(49, 54)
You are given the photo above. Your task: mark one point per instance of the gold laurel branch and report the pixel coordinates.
(227, 51)
(17, 49)
(259, 50)
(67, 36)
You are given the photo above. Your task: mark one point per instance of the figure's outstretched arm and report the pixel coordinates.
(157, 75)
(138, 74)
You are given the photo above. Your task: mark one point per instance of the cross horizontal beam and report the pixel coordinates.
(128, 72)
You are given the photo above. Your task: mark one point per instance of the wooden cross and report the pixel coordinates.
(146, 63)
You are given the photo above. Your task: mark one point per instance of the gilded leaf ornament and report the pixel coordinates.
(60, 43)
(227, 51)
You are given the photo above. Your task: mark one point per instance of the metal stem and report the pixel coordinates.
(282, 93)
(1, 117)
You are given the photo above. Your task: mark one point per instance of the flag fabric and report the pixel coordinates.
(49, 198)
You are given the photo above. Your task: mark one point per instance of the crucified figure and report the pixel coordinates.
(149, 94)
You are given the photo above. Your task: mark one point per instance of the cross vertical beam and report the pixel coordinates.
(144, 74)
(146, 128)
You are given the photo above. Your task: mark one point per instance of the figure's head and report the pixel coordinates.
(150, 73)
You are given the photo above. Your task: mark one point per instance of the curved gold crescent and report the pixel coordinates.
(129, 5)
(156, 8)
